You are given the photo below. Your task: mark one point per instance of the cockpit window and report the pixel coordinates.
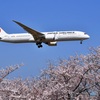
(85, 33)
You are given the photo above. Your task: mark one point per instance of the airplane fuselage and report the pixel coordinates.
(48, 37)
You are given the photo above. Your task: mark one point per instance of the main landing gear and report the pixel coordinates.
(39, 45)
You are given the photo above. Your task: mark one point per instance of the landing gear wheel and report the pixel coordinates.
(40, 46)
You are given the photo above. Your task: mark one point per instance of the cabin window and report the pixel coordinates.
(70, 32)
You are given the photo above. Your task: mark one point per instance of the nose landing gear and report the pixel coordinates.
(81, 42)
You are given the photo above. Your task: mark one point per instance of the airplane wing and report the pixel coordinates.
(37, 35)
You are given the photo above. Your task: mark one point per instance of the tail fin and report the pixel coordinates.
(2, 32)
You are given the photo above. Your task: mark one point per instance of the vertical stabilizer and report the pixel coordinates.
(2, 32)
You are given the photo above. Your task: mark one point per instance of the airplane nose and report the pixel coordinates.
(88, 36)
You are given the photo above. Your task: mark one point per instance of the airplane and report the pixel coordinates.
(49, 38)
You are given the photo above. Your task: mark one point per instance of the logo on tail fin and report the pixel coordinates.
(2, 32)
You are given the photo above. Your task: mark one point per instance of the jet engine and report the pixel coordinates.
(52, 43)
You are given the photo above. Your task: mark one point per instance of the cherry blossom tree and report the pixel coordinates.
(77, 78)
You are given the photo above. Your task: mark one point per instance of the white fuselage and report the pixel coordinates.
(49, 37)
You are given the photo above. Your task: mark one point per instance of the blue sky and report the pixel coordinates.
(47, 15)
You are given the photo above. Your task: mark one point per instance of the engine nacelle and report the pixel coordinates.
(49, 37)
(52, 43)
